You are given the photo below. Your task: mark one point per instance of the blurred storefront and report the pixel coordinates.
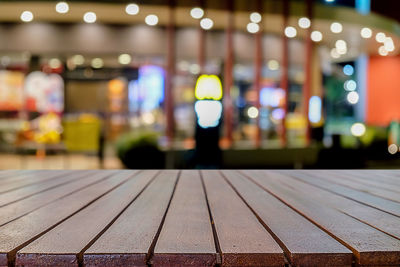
(295, 74)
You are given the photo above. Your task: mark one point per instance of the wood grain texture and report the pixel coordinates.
(26, 205)
(21, 232)
(346, 180)
(243, 240)
(383, 221)
(129, 238)
(26, 179)
(355, 195)
(200, 218)
(70, 237)
(27, 191)
(186, 238)
(370, 246)
(304, 243)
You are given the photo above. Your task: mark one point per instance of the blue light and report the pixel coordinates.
(314, 111)
(363, 6)
(329, 1)
(271, 97)
(151, 86)
(348, 70)
(278, 114)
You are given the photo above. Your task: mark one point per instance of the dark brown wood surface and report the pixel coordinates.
(186, 237)
(242, 239)
(200, 218)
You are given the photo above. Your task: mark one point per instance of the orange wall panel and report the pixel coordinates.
(383, 91)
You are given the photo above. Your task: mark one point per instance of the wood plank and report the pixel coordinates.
(128, 240)
(27, 205)
(304, 243)
(383, 221)
(243, 240)
(31, 190)
(186, 238)
(21, 232)
(61, 245)
(382, 176)
(30, 179)
(18, 176)
(371, 179)
(370, 246)
(8, 173)
(346, 180)
(356, 195)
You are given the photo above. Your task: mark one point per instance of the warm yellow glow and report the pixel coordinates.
(273, 64)
(208, 87)
(116, 87)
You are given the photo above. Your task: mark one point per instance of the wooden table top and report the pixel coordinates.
(200, 218)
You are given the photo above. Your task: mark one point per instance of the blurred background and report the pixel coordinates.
(199, 84)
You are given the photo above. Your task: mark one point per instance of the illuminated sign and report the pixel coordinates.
(208, 87)
(208, 113)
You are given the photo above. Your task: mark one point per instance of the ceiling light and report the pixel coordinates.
(366, 33)
(62, 7)
(290, 32)
(253, 27)
(124, 59)
(304, 23)
(90, 17)
(97, 63)
(255, 17)
(26, 16)
(206, 23)
(132, 9)
(380, 37)
(151, 20)
(316, 36)
(197, 13)
(336, 27)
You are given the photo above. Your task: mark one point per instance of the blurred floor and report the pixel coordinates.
(70, 161)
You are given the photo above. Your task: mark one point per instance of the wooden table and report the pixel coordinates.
(199, 218)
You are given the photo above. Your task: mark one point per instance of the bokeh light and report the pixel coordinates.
(353, 98)
(132, 9)
(62, 7)
(89, 17)
(358, 129)
(253, 27)
(348, 70)
(316, 36)
(151, 20)
(124, 59)
(26, 16)
(304, 23)
(206, 23)
(255, 17)
(336, 27)
(252, 112)
(97, 63)
(290, 32)
(393, 149)
(366, 33)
